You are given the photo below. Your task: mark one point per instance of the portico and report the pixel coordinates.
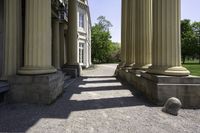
(150, 51)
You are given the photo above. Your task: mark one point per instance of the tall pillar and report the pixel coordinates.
(144, 34)
(166, 39)
(123, 32)
(130, 34)
(1, 35)
(12, 37)
(56, 44)
(72, 33)
(66, 40)
(62, 43)
(37, 54)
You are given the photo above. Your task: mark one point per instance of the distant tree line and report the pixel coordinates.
(106, 51)
(190, 39)
(103, 49)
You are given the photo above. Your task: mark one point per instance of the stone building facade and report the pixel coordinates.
(84, 33)
(38, 39)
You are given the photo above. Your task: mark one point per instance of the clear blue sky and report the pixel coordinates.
(111, 9)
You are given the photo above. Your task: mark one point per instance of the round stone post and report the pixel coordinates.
(37, 54)
(72, 33)
(144, 34)
(56, 44)
(166, 39)
(12, 16)
(130, 34)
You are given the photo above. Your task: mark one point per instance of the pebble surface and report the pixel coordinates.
(97, 103)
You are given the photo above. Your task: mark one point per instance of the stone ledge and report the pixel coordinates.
(72, 70)
(40, 89)
(159, 88)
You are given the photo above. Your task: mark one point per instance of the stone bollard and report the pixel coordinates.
(172, 106)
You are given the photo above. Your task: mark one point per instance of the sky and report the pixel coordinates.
(111, 9)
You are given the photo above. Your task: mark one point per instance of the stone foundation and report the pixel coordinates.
(40, 89)
(159, 88)
(72, 70)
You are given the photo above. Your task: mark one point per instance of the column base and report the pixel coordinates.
(128, 66)
(169, 71)
(36, 71)
(35, 89)
(121, 65)
(141, 67)
(158, 88)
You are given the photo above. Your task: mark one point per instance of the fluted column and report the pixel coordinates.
(130, 34)
(12, 37)
(56, 44)
(62, 43)
(123, 32)
(37, 54)
(72, 33)
(143, 34)
(166, 39)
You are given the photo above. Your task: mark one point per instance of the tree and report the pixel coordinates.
(103, 23)
(101, 40)
(196, 29)
(188, 39)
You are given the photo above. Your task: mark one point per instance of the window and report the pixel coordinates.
(81, 20)
(81, 53)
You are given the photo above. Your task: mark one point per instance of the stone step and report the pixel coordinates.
(68, 83)
(67, 77)
(3, 87)
(70, 71)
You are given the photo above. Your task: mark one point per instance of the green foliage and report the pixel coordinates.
(102, 47)
(196, 29)
(193, 68)
(188, 40)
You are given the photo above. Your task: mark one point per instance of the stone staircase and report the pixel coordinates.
(68, 80)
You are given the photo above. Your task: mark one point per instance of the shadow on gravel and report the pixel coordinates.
(21, 117)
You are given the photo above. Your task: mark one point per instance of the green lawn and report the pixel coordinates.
(194, 68)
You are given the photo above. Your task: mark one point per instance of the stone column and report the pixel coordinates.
(37, 54)
(144, 34)
(62, 43)
(66, 40)
(123, 32)
(72, 33)
(12, 41)
(56, 44)
(166, 39)
(130, 34)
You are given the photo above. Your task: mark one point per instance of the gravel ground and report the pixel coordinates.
(97, 103)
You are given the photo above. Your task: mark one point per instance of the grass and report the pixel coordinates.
(194, 68)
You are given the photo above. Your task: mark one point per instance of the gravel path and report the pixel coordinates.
(97, 103)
